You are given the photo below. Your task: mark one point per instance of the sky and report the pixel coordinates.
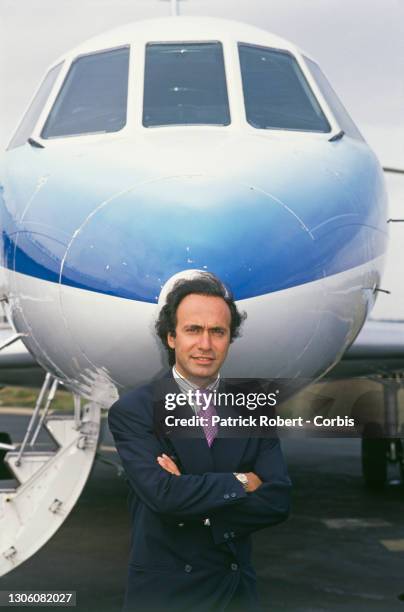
(359, 45)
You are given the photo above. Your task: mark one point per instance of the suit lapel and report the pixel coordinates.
(192, 451)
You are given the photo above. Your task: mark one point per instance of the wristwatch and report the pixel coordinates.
(242, 478)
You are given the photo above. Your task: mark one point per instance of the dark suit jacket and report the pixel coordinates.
(176, 562)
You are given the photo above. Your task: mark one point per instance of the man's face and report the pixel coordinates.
(202, 337)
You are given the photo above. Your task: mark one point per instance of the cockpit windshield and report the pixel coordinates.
(185, 84)
(276, 92)
(93, 97)
(30, 118)
(338, 109)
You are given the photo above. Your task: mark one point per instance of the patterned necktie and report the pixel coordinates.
(207, 413)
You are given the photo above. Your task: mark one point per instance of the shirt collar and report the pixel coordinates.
(186, 385)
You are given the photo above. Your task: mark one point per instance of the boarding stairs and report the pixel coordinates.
(47, 482)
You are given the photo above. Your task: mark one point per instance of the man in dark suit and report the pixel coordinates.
(194, 499)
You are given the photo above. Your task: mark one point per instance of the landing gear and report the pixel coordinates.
(379, 452)
(374, 456)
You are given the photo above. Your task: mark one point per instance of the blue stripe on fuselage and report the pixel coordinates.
(134, 242)
(250, 261)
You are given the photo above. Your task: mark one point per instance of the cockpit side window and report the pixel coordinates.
(93, 97)
(185, 84)
(24, 130)
(335, 104)
(276, 92)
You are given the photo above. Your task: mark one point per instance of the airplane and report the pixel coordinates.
(160, 149)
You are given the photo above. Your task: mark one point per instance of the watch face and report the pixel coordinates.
(242, 478)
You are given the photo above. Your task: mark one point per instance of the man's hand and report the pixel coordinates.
(168, 464)
(254, 482)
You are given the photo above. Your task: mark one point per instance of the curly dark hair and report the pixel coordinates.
(205, 283)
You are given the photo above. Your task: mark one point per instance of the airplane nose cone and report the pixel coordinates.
(131, 244)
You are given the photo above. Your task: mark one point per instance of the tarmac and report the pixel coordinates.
(342, 550)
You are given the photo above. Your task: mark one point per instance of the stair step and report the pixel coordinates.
(31, 462)
(50, 484)
(9, 485)
(62, 429)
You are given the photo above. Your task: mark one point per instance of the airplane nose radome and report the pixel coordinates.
(130, 245)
